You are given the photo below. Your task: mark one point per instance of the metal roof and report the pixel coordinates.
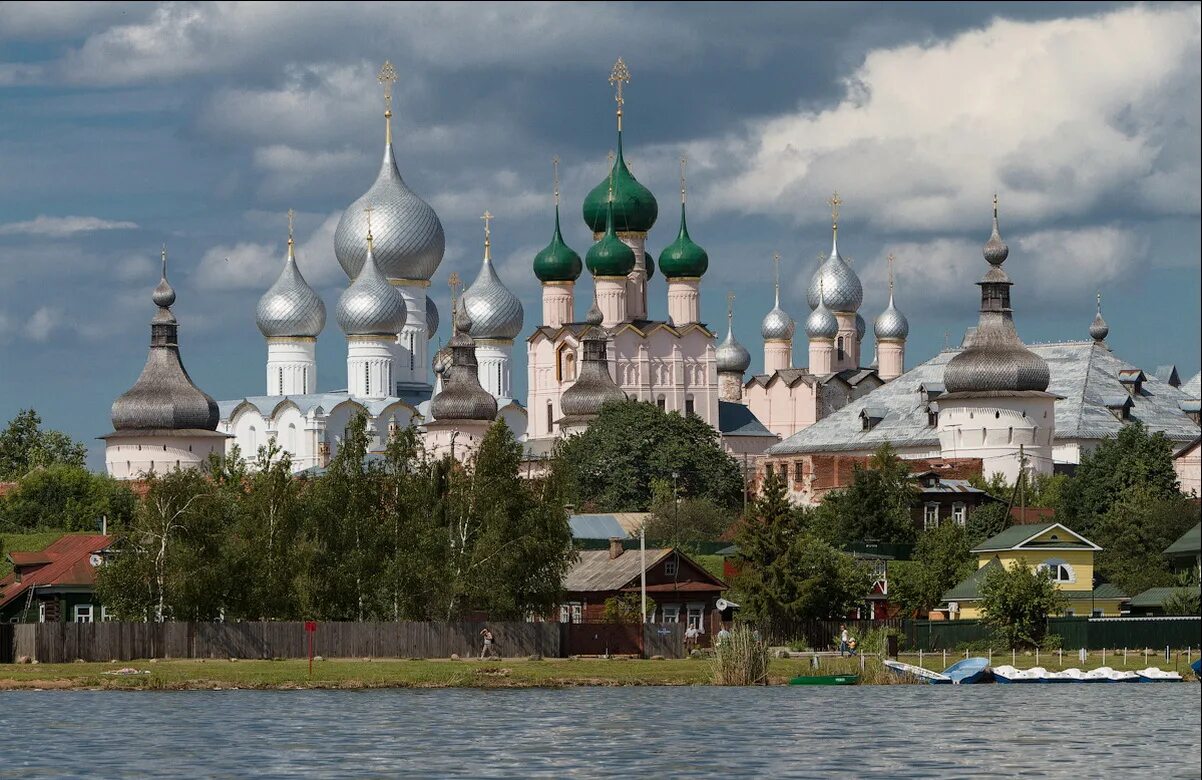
(969, 589)
(1082, 372)
(1188, 545)
(1017, 537)
(1152, 597)
(596, 527)
(1193, 387)
(735, 419)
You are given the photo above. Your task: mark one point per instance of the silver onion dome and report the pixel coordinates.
(841, 287)
(822, 324)
(409, 242)
(431, 318)
(290, 307)
(731, 356)
(891, 324)
(462, 397)
(371, 306)
(594, 387)
(861, 327)
(996, 360)
(496, 313)
(777, 325)
(164, 397)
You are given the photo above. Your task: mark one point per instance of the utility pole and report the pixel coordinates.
(643, 566)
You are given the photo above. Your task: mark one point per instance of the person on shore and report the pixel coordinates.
(489, 649)
(844, 641)
(690, 637)
(723, 635)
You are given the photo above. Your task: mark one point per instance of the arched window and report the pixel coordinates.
(550, 417)
(839, 348)
(1058, 570)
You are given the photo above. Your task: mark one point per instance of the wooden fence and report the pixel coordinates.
(66, 642)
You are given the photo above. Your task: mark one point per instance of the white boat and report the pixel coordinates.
(1065, 676)
(1109, 675)
(1153, 674)
(1009, 674)
(909, 670)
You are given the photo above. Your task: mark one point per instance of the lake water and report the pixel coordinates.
(1069, 731)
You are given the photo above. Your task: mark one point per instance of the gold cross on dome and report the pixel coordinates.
(487, 217)
(291, 214)
(889, 260)
(618, 76)
(386, 77)
(555, 176)
(834, 201)
(368, 210)
(453, 283)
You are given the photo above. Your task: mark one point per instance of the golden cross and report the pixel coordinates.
(889, 259)
(683, 162)
(291, 214)
(487, 217)
(618, 76)
(730, 306)
(834, 201)
(453, 283)
(386, 76)
(555, 176)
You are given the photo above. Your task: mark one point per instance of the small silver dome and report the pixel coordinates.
(496, 313)
(822, 324)
(732, 356)
(462, 397)
(290, 307)
(431, 318)
(408, 238)
(1098, 329)
(891, 324)
(777, 325)
(371, 306)
(842, 290)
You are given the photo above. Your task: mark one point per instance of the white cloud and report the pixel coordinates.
(1061, 116)
(135, 268)
(63, 226)
(43, 323)
(248, 265)
(288, 169)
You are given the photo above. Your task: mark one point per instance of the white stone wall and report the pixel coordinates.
(291, 366)
(133, 457)
(558, 303)
(995, 429)
(369, 367)
(492, 366)
(891, 359)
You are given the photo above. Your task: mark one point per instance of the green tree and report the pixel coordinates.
(986, 521)
(68, 497)
(1183, 601)
(1016, 603)
(612, 465)
(684, 522)
(627, 608)
(1133, 535)
(787, 574)
(25, 446)
(941, 560)
(1132, 459)
(876, 505)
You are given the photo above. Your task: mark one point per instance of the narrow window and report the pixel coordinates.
(662, 403)
(930, 516)
(550, 418)
(281, 381)
(688, 406)
(839, 348)
(959, 514)
(83, 613)
(366, 379)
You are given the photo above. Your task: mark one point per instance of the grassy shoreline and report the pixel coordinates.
(352, 674)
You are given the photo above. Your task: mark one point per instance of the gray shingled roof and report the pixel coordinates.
(1193, 387)
(1083, 373)
(594, 570)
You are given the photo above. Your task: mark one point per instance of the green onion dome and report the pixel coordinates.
(635, 208)
(683, 258)
(609, 256)
(649, 261)
(558, 262)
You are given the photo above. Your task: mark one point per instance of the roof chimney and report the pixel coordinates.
(615, 547)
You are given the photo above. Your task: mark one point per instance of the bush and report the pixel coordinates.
(741, 659)
(876, 641)
(1051, 643)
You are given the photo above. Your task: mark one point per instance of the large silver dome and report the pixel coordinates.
(891, 324)
(409, 242)
(290, 307)
(996, 360)
(822, 324)
(371, 306)
(431, 318)
(731, 355)
(841, 288)
(496, 313)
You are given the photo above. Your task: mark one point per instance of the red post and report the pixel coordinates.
(310, 629)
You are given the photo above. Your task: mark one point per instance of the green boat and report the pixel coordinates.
(825, 679)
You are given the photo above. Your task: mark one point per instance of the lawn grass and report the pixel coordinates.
(32, 542)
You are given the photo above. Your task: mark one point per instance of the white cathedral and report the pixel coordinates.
(390, 243)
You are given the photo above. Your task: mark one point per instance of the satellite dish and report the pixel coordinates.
(723, 605)
(95, 560)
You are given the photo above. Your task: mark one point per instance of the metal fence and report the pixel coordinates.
(1074, 632)
(822, 634)
(66, 642)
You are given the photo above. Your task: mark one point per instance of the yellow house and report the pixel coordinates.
(1065, 554)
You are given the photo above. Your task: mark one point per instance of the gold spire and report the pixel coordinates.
(368, 210)
(683, 162)
(618, 76)
(291, 214)
(889, 260)
(386, 76)
(730, 308)
(555, 177)
(834, 201)
(776, 275)
(487, 217)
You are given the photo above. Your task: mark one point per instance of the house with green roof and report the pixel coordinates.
(1185, 554)
(1066, 555)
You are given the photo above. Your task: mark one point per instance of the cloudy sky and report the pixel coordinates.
(125, 126)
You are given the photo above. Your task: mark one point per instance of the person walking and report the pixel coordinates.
(844, 641)
(489, 650)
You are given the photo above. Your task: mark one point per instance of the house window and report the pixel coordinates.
(930, 516)
(695, 617)
(42, 612)
(106, 616)
(662, 403)
(570, 613)
(797, 472)
(769, 469)
(670, 567)
(83, 613)
(1058, 571)
(671, 613)
(688, 406)
(960, 514)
